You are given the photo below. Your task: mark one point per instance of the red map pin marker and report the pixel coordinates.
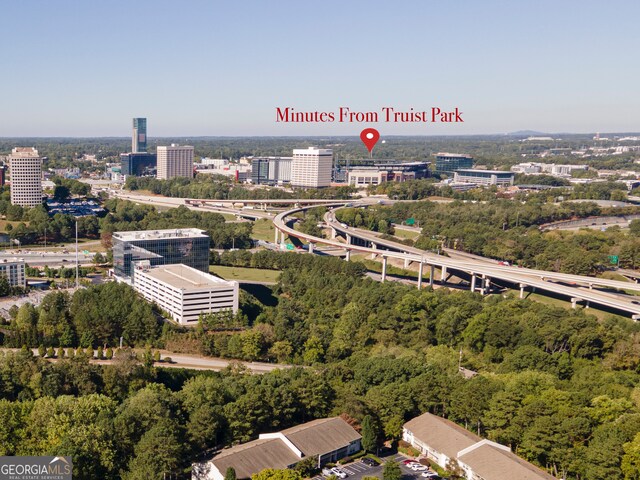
(369, 137)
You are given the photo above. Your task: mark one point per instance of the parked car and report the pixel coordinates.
(327, 472)
(408, 462)
(339, 473)
(430, 474)
(418, 467)
(369, 461)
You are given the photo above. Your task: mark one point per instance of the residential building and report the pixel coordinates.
(449, 163)
(138, 164)
(484, 177)
(3, 175)
(453, 447)
(271, 170)
(365, 175)
(328, 439)
(13, 270)
(26, 177)
(139, 135)
(174, 161)
(188, 246)
(311, 167)
(183, 291)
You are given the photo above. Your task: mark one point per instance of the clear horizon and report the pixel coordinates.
(77, 69)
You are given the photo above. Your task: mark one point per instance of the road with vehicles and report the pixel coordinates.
(40, 258)
(481, 275)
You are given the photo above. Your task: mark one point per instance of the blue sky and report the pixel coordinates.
(221, 67)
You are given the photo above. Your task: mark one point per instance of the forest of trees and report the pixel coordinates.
(557, 385)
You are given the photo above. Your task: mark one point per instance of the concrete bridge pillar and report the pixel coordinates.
(333, 233)
(277, 240)
(384, 268)
(486, 285)
(574, 302)
(348, 238)
(311, 247)
(443, 275)
(473, 282)
(420, 275)
(521, 291)
(432, 274)
(407, 262)
(347, 257)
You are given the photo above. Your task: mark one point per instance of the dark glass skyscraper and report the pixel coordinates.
(188, 246)
(139, 136)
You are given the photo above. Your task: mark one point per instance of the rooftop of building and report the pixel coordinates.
(457, 155)
(479, 170)
(443, 435)
(321, 436)
(25, 152)
(312, 151)
(160, 234)
(250, 458)
(494, 463)
(183, 277)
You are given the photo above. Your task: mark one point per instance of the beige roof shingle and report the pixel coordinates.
(441, 434)
(253, 457)
(321, 436)
(493, 463)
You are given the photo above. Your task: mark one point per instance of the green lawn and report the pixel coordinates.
(263, 229)
(246, 274)
(400, 233)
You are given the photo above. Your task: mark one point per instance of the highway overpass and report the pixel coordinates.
(481, 274)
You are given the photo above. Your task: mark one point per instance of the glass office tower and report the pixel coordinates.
(139, 136)
(188, 246)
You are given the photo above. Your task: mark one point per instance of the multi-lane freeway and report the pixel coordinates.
(481, 273)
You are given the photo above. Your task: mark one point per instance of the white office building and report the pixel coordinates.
(311, 168)
(484, 177)
(26, 177)
(174, 161)
(184, 292)
(13, 270)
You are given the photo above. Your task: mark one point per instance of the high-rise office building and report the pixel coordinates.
(139, 136)
(138, 164)
(270, 170)
(26, 177)
(188, 246)
(175, 161)
(311, 167)
(449, 163)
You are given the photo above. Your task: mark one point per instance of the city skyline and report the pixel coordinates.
(220, 72)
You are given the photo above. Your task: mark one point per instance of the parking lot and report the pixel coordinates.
(357, 470)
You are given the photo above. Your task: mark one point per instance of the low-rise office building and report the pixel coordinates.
(328, 439)
(13, 270)
(188, 246)
(184, 292)
(455, 448)
(484, 177)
